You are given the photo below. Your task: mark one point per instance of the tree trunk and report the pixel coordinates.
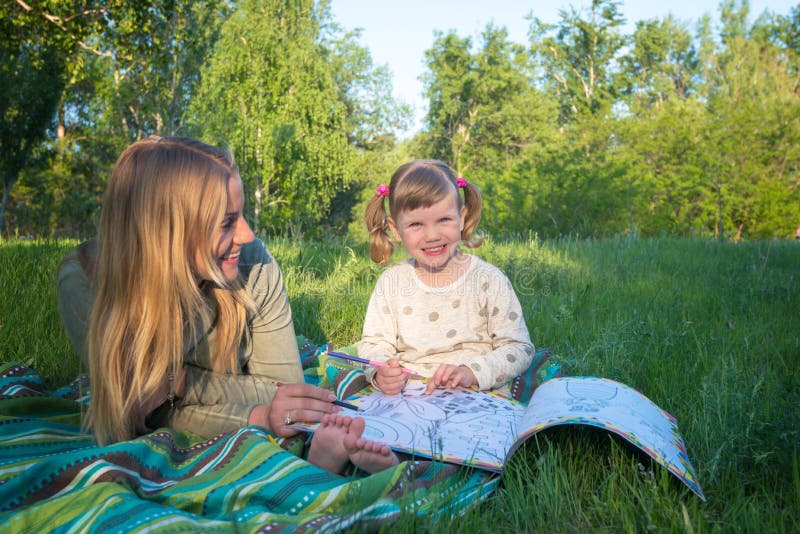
(630, 208)
(720, 230)
(61, 128)
(6, 193)
(257, 208)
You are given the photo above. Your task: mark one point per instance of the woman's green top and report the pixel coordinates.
(212, 402)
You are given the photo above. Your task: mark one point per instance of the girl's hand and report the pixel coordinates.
(293, 403)
(390, 380)
(450, 376)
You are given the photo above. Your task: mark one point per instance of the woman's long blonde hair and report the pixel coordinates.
(164, 201)
(419, 184)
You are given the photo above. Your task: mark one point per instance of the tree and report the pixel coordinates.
(483, 113)
(373, 118)
(752, 102)
(155, 50)
(577, 56)
(660, 68)
(32, 75)
(580, 178)
(450, 87)
(127, 70)
(270, 91)
(372, 114)
(661, 64)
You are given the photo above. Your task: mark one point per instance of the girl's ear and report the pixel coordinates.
(463, 217)
(393, 228)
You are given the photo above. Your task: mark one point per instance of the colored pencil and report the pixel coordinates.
(346, 405)
(344, 356)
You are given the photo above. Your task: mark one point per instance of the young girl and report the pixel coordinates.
(182, 316)
(442, 314)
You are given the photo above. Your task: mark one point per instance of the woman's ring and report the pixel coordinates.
(287, 420)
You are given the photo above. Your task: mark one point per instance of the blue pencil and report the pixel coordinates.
(337, 402)
(346, 405)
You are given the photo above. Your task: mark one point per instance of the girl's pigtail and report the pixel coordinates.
(474, 204)
(380, 246)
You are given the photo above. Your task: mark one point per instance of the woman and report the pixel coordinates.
(179, 312)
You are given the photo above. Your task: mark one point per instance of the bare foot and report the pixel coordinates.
(365, 454)
(327, 448)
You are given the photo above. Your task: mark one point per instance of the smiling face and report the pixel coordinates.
(431, 234)
(232, 233)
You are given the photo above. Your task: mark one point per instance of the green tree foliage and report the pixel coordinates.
(722, 158)
(32, 74)
(582, 130)
(659, 66)
(751, 166)
(128, 69)
(155, 51)
(449, 87)
(580, 177)
(484, 114)
(577, 55)
(271, 90)
(661, 131)
(373, 115)
(372, 118)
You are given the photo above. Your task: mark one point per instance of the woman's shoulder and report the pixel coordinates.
(70, 264)
(72, 282)
(256, 263)
(71, 276)
(254, 253)
(78, 264)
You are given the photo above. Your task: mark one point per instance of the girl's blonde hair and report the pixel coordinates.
(419, 184)
(164, 201)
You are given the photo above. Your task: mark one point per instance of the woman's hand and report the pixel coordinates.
(450, 376)
(390, 380)
(293, 403)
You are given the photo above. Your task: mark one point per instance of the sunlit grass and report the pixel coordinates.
(708, 330)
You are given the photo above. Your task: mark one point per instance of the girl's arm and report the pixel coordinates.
(379, 335)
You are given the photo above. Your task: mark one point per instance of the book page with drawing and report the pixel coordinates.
(483, 429)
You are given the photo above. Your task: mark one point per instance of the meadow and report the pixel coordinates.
(709, 330)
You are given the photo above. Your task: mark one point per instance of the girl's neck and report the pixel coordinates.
(444, 275)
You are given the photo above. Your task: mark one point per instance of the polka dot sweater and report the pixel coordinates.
(475, 321)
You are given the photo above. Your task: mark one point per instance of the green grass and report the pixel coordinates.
(708, 330)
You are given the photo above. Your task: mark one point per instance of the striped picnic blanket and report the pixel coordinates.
(54, 478)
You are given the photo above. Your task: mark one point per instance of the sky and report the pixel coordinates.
(397, 33)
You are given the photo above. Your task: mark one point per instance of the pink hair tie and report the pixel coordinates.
(383, 190)
(461, 182)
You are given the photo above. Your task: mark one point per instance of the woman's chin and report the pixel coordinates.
(230, 269)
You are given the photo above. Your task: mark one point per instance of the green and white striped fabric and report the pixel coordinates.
(53, 478)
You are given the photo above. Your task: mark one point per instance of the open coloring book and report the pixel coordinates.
(483, 430)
